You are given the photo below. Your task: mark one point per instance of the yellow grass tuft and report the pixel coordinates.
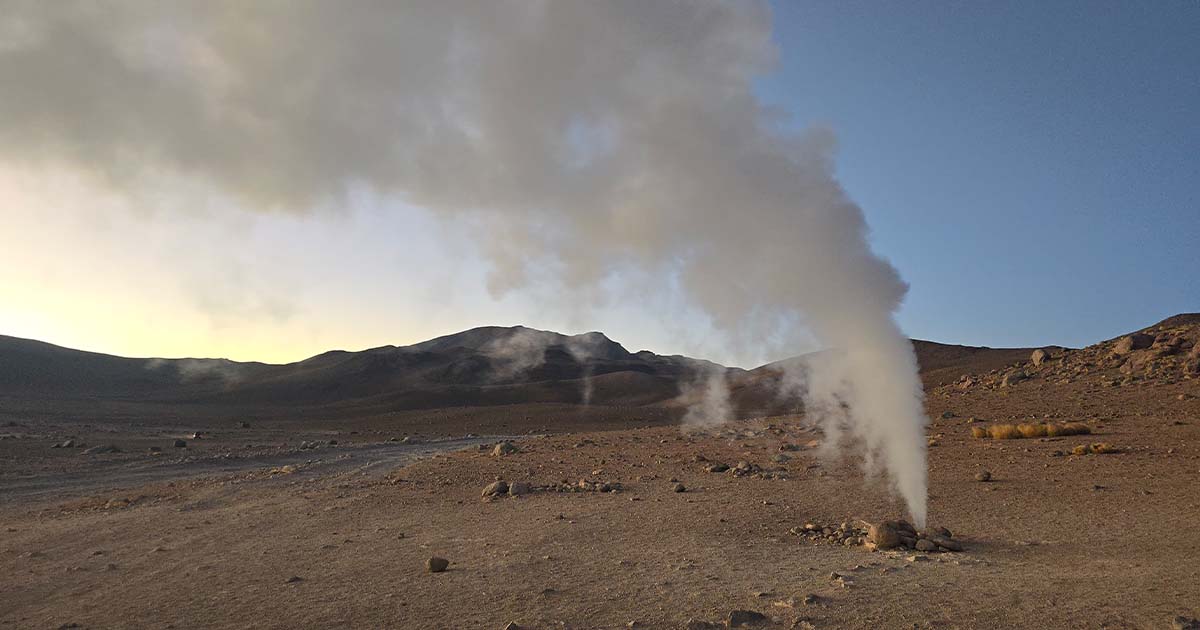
(1004, 432)
(1102, 448)
(1070, 428)
(1029, 430)
(1032, 430)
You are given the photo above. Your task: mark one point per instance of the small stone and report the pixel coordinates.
(678, 487)
(495, 489)
(512, 625)
(436, 564)
(926, 545)
(1014, 377)
(696, 624)
(811, 599)
(294, 579)
(716, 468)
(1185, 623)
(180, 444)
(518, 488)
(983, 476)
(740, 618)
(948, 544)
(504, 448)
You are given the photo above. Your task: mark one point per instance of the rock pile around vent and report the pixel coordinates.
(886, 535)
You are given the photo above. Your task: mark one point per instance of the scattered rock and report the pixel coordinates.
(947, 543)
(983, 476)
(495, 489)
(946, 415)
(518, 488)
(504, 448)
(294, 579)
(924, 544)
(1129, 343)
(65, 444)
(678, 488)
(1014, 377)
(716, 468)
(1039, 357)
(696, 624)
(180, 444)
(1185, 623)
(884, 536)
(741, 618)
(436, 564)
(101, 449)
(512, 625)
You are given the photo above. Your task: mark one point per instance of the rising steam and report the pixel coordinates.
(587, 137)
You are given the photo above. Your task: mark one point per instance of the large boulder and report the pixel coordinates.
(1039, 357)
(884, 535)
(1129, 343)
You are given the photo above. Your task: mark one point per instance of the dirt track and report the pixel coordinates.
(108, 474)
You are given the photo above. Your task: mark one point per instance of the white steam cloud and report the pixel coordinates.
(587, 137)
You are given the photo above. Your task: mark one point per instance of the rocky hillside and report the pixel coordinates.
(1166, 352)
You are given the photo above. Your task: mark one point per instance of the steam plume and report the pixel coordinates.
(588, 136)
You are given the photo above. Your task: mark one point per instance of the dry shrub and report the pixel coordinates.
(1070, 428)
(1032, 430)
(1082, 449)
(1004, 432)
(979, 432)
(1102, 448)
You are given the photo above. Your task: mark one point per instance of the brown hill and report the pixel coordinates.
(494, 366)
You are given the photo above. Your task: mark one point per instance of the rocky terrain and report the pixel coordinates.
(615, 518)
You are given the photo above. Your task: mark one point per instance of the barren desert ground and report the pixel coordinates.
(249, 530)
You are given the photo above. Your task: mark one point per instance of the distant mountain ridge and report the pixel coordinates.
(483, 366)
(486, 365)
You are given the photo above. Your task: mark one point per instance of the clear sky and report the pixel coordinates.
(1030, 168)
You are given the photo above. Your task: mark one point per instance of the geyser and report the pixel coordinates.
(602, 137)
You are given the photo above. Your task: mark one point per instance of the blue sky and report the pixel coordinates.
(1031, 168)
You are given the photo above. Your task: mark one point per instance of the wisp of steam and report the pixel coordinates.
(599, 136)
